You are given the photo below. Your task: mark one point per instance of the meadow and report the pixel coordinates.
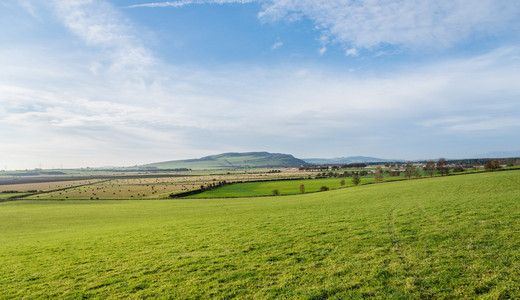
(283, 187)
(442, 237)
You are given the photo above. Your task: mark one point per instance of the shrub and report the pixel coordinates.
(492, 165)
(324, 188)
(458, 169)
(276, 192)
(355, 179)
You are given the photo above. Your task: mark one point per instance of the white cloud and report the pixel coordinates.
(182, 3)
(491, 124)
(101, 26)
(352, 52)
(276, 45)
(322, 50)
(371, 24)
(412, 24)
(192, 113)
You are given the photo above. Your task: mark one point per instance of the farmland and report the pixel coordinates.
(207, 184)
(87, 186)
(442, 237)
(283, 187)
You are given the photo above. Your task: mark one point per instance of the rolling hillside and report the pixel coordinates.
(233, 160)
(344, 160)
(452, 237)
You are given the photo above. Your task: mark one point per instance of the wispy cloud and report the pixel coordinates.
(182, 3)
(100, 25)
(411, 24)
(371, 24)
(276, 45)
(352, 52)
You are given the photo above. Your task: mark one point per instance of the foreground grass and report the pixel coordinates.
(453, 237)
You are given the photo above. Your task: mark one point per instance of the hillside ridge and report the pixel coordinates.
(232, 160)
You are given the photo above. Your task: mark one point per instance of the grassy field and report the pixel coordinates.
(146, 187)
(445, 237)
(284, 187)
(8, 195)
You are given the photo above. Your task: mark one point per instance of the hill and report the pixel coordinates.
(232, 160)
(345, 160)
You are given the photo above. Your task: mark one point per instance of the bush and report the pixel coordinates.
(324, 188)
(355, 179)
(458, 169)
(492, 165)
(276, 192)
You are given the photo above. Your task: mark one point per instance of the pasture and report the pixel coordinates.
(444, 237)
(284, 187)
(146, 187)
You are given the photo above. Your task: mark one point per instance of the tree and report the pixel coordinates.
(342, 182)
(416, 173)
(430, 167)
(395, 173)
(409, 169)
(492, 165)
(302, 188)
(379, 174)
(442, 166)
(458, 169)
(355, 179)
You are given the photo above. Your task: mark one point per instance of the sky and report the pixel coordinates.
(127, 82)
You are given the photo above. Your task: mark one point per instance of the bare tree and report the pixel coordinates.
(442, 166)
(379, 174)
(430, 168)
(409, 169)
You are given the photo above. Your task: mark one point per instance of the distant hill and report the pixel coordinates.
(232, 160)
(345, 160)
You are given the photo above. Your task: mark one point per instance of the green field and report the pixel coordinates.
(8, 195)
(284, 187)
(444, 237)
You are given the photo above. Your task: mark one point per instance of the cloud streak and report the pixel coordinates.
(411, 24)
(400, 23)
(182, 3)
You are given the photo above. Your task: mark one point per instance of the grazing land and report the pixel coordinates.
(283, 187)
(159, 186)
(443, 237)
(24, 187)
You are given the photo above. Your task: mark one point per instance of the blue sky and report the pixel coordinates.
(104, 83)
